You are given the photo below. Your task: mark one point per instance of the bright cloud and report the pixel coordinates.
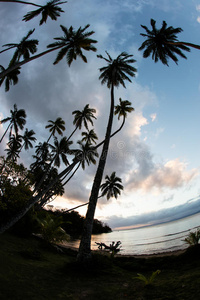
(173, 174)
(153, 117)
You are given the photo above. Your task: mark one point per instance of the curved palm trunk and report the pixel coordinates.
(123, 122)
(5, 132)
(19, 64)
(34, 199)
(72, 134)
(22, 2)
(84, 253)
(185, 44)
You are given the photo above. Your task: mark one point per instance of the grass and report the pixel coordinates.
(31, 270)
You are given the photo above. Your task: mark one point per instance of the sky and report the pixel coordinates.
(157, 152)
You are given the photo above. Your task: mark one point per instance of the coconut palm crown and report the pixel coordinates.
(112, 186)
(72, 44)
(163, 43)
(51, 9)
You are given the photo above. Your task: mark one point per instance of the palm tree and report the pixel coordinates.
(89, 136)
(9, 78)
(115, 73)
(51, 9)
(14, 146)
(85, 154)
(17, 119)
(193, 237)
(24, 48)
(57, 126)
(121, 110)
(60, 149)
(72, 44)
(82, 118)
(112, 186)
(28, 138)
(163, 43)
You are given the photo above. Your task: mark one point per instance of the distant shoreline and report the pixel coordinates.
(155, 224)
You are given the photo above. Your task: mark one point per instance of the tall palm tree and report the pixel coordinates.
(82, 118)
(112, 186)
(60, 149)
(115, 73)
(17, 119)
(86, 154)
(28, 138)
(51, 9)
(9, 78)
(56, 126)
(163, 43)
(72, 44)
(24, 48)
(89, 136)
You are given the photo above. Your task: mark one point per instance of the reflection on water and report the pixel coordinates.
(148, 240)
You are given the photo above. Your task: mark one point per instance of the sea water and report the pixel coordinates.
(148, 240)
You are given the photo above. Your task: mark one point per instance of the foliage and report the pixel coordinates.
(161, 43)
(148, 280)
(193, 237)
(51, 229)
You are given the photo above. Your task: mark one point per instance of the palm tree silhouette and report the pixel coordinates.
(24, 48)
(89, 136)
(28, 138)
(51, 9)
(72, 44)
(121, 110)
(82, 118)
(17, 119)
(10, 77)
(115, 73)
(14, 146)
(163, 43)
(56, 126)
(112, 186)
(60, 149)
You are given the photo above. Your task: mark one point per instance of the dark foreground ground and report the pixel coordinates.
(29, 269)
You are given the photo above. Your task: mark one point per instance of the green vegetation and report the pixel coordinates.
(32, 270)
(148, 280)
(193, 237)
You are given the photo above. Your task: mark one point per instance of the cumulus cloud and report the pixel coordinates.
(173, 174)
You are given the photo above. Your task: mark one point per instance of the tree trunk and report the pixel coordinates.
(185, 44)
(5, 132)
(19, 64)
(84, 254)
(33, 200)
(22, 2)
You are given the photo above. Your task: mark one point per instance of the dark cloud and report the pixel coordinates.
(156, 217)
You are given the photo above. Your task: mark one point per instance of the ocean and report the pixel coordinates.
(149, 240)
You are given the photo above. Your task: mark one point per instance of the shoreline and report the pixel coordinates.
(146, 256)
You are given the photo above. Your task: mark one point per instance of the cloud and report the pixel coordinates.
(153, 117)
(155, 217)
(173, 174)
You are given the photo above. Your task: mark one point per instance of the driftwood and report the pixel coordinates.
(113, 246)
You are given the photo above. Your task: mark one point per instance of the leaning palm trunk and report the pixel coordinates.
(21, 63)
(84, 253)
(35, 199)
(185, 44)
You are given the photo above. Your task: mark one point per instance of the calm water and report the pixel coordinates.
(148, 240)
